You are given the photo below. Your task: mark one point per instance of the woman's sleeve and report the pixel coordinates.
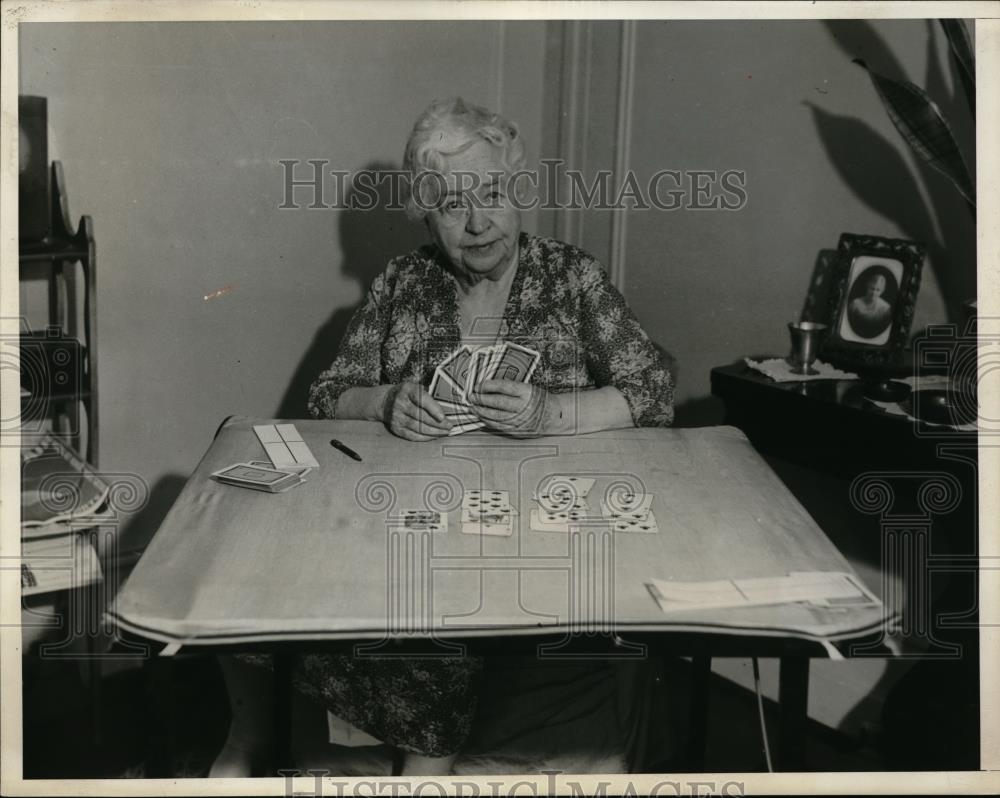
(359, 359)
(620, 354)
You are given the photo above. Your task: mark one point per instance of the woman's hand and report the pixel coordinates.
(410, 412)
(519, 409)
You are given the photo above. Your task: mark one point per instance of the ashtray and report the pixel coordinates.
(887, 391)
(942, 407)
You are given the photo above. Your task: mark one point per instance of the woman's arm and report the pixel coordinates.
(523, 410)
(406, 409)
(587, 411)
(357, 368)
(619, 353)
(366, 404)
(352, 387)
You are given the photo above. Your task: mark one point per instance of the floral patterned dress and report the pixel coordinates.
(562, 304)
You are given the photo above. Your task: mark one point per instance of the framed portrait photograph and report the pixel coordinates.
(874, 291)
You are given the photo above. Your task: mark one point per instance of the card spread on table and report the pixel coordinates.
(557, 511)
(487, 512)
(464, 370)
(562, 505)
(559, 486)
(251, 475)
(284, 445)
(626, 503)
(419, 520)
(828, 589)
(640, 523)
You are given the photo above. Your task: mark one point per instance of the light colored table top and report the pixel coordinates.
(325, 560)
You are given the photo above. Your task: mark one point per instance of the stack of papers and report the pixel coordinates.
(61, 563)
(825, 589)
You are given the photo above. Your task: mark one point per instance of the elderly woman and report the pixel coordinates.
(481, 280)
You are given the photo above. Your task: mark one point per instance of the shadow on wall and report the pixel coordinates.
(706, 411)
(875, 170)
(369, 239)
(817, 303)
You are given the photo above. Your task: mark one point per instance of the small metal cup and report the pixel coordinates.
(806, 339)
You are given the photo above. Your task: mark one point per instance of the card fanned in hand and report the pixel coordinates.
(465, 369)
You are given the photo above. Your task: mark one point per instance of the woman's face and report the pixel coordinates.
(875, 287)
(475, 225)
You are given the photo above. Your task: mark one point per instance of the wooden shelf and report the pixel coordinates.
(77, 366)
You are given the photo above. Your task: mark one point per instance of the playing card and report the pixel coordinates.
(444, 390)
(246, 475)
(471, 426)
(626, 502)
(477, 369)
(470, 375)
(559, 485)
(462, 419)
(515, 362)
(644, 524)
(456, 365)
(486, 516)
(424, 519)
(484, 528)
(484, 501)
(452, 407)
(301, 470)
(562, 503)
(495, 354)
(542, 520)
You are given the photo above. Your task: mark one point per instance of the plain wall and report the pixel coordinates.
(170, 135)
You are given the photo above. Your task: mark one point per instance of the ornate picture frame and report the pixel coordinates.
(872, 298)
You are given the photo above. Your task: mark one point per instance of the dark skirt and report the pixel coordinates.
(419, 704)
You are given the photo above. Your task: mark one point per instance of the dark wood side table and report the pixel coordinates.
(830, 424)
(904, 496)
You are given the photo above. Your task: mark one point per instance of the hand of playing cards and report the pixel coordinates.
(465, 370)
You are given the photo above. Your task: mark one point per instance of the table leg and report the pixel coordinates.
(793, 700)
(701, 673)
(94, 676)
(159, 679)
(282, 750)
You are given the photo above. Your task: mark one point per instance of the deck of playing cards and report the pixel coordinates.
(465, 369)
(487, 512)
(259, 476)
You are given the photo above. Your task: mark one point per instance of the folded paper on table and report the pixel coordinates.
(821, 588)
(284, 446)
(779, 370)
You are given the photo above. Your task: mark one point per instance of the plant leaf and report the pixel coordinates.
(961, 49)
(919, 121)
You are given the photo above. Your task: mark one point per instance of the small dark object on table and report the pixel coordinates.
(941, 407)
(887, 391)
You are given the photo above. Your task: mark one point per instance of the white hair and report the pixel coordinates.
(448, 127)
